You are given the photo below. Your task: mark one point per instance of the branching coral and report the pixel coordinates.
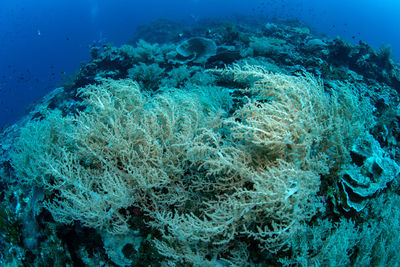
(296, 119)
(207, 182)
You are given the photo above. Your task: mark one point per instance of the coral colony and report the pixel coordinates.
(229, 145)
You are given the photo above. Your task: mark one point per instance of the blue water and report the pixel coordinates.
(44, 41)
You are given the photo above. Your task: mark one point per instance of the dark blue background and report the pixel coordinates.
(41, 39)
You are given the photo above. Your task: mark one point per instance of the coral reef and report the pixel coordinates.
(370, 173)
(288, 156)
(197, 49)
